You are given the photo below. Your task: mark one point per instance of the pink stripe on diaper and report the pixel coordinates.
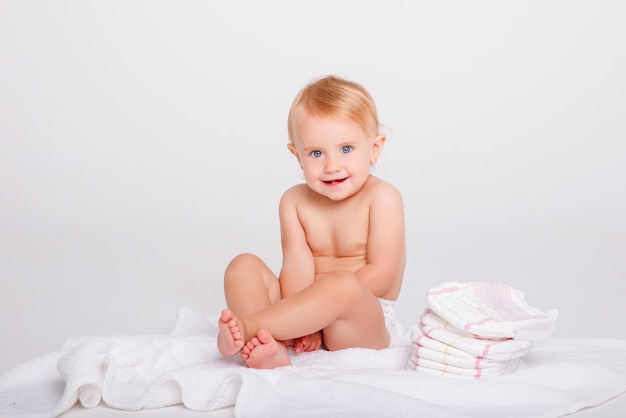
(486, 350)
(477, 368)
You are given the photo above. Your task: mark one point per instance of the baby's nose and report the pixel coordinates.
(332, 165)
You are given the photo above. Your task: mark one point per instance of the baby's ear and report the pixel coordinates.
(294, 151)
(377, 147)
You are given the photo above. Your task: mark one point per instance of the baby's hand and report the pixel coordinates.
(311, 342)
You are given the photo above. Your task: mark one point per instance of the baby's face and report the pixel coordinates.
(335, 154)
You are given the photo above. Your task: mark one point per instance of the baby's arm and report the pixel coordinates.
(298, 269)
(385, 243)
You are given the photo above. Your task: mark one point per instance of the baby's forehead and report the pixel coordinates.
(367, 126)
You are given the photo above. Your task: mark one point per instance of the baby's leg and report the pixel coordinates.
(338, 303)
(362, 326)
(264, 352)
(249, 286)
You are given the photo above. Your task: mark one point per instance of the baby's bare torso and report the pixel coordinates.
(336, 231)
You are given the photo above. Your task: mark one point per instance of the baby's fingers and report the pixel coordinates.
(298, 345)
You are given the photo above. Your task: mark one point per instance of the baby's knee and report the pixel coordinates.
(242, 263)
(243, 260)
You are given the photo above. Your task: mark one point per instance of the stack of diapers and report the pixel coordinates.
(476, 330)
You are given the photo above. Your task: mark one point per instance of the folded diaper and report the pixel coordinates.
(476, 330)
(471, 357)
(434, 367)
(490, 310)
(475, 362)
(440, 335)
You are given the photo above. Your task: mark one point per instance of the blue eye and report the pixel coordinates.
(346, 149)
(316, 153)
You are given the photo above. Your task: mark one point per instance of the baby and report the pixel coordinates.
(343, 241)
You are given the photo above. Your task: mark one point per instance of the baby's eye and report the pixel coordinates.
(316, 154)
(346, 149)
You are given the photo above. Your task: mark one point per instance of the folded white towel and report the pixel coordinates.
(490, 310)
(558, 378)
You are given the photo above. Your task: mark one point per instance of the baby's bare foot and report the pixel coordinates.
(264, 352)
(230, 338)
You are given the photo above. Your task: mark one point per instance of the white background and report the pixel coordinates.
(143, 145)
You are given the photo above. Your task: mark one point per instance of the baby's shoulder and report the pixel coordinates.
(296, 190)
(294, 194)
(379, 188)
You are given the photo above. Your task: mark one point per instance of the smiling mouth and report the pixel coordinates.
(334, 182)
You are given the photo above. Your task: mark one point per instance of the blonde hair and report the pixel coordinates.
(332, 96)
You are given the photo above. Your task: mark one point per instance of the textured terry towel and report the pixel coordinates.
(558, 377)
(490, 310)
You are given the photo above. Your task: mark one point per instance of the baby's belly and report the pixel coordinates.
(329, 264)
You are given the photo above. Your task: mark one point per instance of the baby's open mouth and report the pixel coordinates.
(335, 181)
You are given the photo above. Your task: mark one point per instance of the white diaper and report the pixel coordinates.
(393, 327)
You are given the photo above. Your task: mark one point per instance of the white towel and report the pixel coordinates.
(490, 310)
(558, 377)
